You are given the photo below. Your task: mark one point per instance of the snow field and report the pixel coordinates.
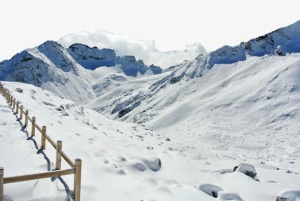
(121, 160)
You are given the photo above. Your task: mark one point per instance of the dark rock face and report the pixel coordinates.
(91, 58)
(123, 112)
(131, 67)
(155, 69)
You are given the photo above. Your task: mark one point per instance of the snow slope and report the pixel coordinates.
(126, 161)
(246, 104)
(252, 105)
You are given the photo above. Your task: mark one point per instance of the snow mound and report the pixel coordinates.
(247, 169)
(209, 189)
(289, 195)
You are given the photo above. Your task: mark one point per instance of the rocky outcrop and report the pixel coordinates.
(92, 58)
(131, 67)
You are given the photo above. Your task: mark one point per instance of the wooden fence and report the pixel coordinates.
(75, 166)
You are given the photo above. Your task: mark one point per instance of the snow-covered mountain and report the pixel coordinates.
(275, 44)
(200, 117)
(57, 69)
(256, 88)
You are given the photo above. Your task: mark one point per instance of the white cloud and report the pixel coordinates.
(125, 45)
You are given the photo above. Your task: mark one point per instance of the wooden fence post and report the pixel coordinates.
(43, 140)
(14, 103)
(33, 126)
(58, 155)
(1, 183)
(77, 179)
(21, 112)
(17, 110)
(11, 100)
(26, 118)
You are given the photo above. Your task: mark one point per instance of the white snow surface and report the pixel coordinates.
(245, 112)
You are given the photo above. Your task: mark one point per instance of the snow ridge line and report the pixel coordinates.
(75, 167)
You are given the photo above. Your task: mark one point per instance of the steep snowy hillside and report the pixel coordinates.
(256, 97)
(232, 93)
(279, 42)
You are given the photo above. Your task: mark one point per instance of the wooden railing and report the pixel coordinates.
(75, 166)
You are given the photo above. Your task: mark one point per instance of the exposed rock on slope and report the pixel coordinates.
(92, 58)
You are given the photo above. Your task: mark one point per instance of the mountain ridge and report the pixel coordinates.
(52, 67)
(257, 88)
(118, 102)
(125, 45)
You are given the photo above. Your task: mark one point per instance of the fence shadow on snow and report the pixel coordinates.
(75, 167)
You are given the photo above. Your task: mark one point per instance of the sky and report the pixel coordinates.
(170, 24)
